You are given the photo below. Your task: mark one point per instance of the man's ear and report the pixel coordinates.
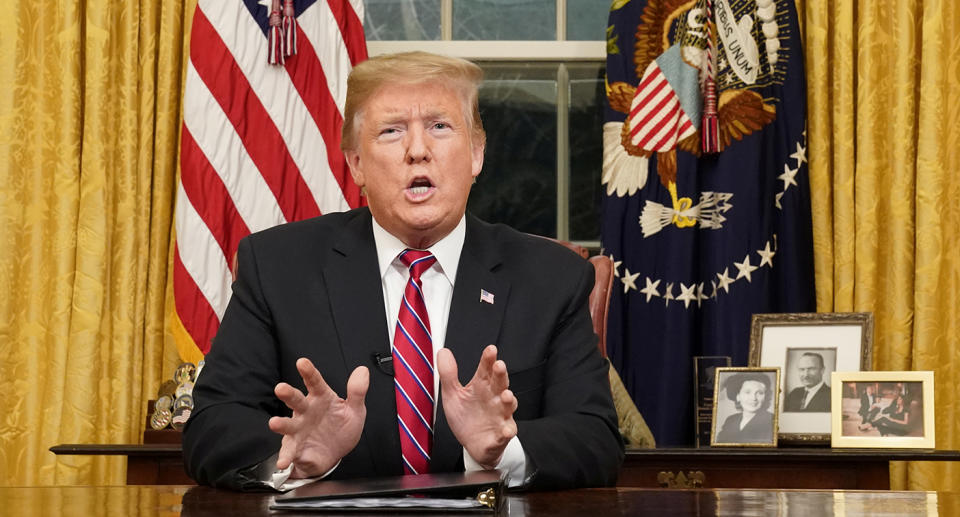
(353, 161)
(477, 157)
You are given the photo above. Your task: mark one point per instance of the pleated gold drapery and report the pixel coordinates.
(88, 142)
(883, 80)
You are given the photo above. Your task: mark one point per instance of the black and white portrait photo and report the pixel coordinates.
(745, 406)
(808, 348)
(806, 374)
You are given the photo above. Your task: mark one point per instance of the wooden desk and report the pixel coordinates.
(203, 501)
(796, 468)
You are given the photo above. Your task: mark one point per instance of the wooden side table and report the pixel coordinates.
(147, 464)
(799, 468)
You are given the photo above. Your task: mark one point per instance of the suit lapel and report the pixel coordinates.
(353, 281)
(472, 325)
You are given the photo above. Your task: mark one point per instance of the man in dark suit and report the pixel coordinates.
(869, 407)
(287, 392)
(814, 395)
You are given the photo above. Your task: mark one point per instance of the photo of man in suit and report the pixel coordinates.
(407, 336)
(869, 406)
(813, 396)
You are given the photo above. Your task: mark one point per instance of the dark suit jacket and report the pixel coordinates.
(819, 403)
(758, 430)
(312, 289)
(865, 404)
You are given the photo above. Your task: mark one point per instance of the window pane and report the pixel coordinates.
(401, 20)
(587, 20)
(504, 20)
(586, 149)
(518, 185)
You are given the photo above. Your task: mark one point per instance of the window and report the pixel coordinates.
(541, 100)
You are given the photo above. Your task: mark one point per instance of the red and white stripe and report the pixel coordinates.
(260, 144)
(413, 368)
(656, 120)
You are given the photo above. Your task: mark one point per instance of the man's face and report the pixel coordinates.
(417, 160)
(810, 371)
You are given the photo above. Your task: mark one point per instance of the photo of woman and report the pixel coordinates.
(746, 412)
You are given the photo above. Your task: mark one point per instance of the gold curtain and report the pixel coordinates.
(883, 80)
(88, 151)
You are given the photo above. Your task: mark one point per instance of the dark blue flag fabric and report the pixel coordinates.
(706, 210)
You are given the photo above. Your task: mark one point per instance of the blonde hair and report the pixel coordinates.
(460, 75)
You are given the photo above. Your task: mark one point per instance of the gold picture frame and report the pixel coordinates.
(881, 409)
(838, 341)
(730, 405)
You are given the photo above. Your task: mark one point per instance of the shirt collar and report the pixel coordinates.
(447, 250)
(813, 389)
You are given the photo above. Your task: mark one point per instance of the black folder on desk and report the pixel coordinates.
(452, 491)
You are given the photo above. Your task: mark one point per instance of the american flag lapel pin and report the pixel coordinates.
(486, 296)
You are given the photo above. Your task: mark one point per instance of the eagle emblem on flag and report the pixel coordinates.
(701, 76)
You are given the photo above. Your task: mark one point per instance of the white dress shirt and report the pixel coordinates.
(810, 392)
(437, 282)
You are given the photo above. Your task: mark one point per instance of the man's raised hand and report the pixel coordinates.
(480, 414)
(324, 427)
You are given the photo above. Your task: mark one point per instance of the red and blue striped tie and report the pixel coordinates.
(413, 367)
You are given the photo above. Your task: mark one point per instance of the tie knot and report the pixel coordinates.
(417, 260)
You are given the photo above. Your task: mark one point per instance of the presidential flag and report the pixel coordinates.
(706, 212)
(260, 142)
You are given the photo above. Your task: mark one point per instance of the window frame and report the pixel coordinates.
(559, 50)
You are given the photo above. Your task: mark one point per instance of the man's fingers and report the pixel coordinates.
(508, 430)
(357, 386)
(292, 397)
(485, 366)
(278, 424)
(499, 380)
(488, 357)
(283, 462)
(509, 401)
(312, 378)
(286, 427)
(447, 368)
(285, 456)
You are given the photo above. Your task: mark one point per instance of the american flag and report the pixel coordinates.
(486, 296)
(260, 143)
(660, 114)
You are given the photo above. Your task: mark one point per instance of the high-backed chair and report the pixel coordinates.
(633, 427)
(600, 298)
(600, 295)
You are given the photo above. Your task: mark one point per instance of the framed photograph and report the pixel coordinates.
(883, 409)
(745, 406)
(704, 371)
(808, 347)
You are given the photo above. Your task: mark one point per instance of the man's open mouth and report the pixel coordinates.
(420, 186)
